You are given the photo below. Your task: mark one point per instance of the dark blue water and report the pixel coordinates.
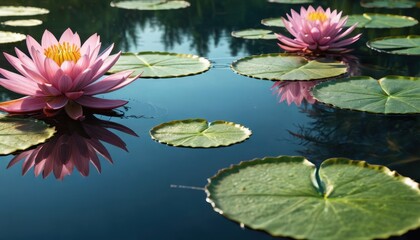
(139, 196)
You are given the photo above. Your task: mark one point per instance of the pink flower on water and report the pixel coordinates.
(62, 74)
(316, 31)
(294, 91)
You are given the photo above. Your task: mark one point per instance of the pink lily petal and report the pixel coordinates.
(23, 105)
(74, 110)
(57, 102)
(48, 39)
(107, 83)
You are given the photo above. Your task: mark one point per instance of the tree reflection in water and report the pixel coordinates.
(75, 144)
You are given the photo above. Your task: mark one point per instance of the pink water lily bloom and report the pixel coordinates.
(62, 74)
(316, 31)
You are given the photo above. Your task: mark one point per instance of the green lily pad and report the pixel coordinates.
(254, 34)
(161, 64)
(150, 4)
(6, 11)
(23, 23)
(388, 95)
(10, 37)
(287, 67)
(22, 133)
(282, 196)
(376, 20)
(272, 22)
(387, 3)
(198, 133)
(291, 1)
(404, 45)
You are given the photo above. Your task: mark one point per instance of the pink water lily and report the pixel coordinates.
(316, 31)
(62, 74)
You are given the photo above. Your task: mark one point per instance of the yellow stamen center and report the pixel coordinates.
(63, 52)
(314, 16)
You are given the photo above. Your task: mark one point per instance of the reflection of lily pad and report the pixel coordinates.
(150, 5)
(254, 34)
(376, 20)
(23, 23)
(406, 45)
(200, 133)
(273, 22)
(388, 3)
(291, 1)
(21, 11)
(287, 67)
(10, 37)
(161, 64)
(390, 94)
(22, 133)
(282, 196)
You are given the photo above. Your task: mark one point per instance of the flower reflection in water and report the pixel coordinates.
(294, 91)
(76, 144)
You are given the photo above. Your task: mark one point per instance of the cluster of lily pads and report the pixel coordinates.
(284, 196)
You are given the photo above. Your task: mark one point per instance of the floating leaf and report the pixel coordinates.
(405, 45)
(150, 5)
(23, 23)
(254, 34)
(391, 94)
(291, 1)
(6, 11)
(198, 133)
(388, 3)
(22, 133)
(281, 195)
(272, 22)
(10, 37)
(287, 67)
(161, 64)
(376, 20)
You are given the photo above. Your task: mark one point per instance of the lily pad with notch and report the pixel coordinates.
(18, 133)
(403, 45)
(199, 133)
(388, 95)
(343, 199)
(377, 20)
(151, 4)
(161, 64)
(254, 34)
(287, 67)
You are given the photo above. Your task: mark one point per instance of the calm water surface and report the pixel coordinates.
(136, 197)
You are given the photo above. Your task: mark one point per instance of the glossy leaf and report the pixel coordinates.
(150, 4)
(272, 22)
(291, 1)
(405, 45)
(391, 94)
(254, 34)
(376, 20)
(23, 23)
(161, 64)
(282, 196)
(198, 133)
(10, 37)
(388, 3)
(22, 133)
(6, 11)
(287, 67)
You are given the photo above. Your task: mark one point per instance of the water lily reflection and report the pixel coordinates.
(76, 144)
(294, 91)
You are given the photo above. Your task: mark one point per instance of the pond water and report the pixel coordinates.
(154, 191)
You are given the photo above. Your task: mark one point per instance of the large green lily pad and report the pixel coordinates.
(287, 67)
(22, 133)
(388, 3)
(161, 64)
(254, 34)
(405, 45)
(272, 22)
(388, 95)
(345, 199)
(10, 37)
(23, 23)
(6, 11)
(198, 133)
(291, 1)
(150, 4)
(377, 20)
